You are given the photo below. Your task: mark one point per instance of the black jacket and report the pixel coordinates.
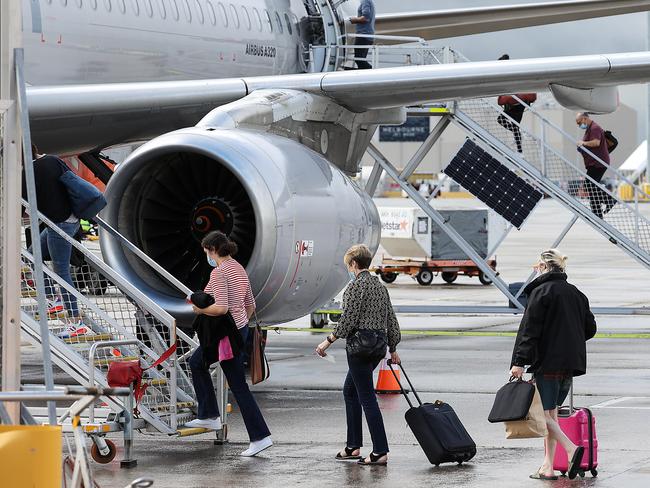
(51, 194)
(555, 327)
(210, 330)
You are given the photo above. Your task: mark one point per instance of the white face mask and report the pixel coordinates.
(211, 262)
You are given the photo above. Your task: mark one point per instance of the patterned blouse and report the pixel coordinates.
(366, 305)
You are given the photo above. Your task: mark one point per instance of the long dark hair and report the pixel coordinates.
(217, 241)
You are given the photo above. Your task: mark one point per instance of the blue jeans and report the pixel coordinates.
(59, 251)
(233, 369)
(359, 394)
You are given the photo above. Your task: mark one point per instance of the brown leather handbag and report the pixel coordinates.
(259, 365)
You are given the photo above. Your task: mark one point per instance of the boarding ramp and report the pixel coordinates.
(123, 325)
(545, 167)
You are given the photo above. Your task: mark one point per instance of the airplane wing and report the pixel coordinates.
(78, 118)
(440, 24)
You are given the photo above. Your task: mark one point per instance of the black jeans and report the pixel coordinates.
(234, 371)
(598, 197)
(515, 112)
(361, 53)
(359, 393)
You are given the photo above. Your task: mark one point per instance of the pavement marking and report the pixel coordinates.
(456, 333)
(614, 401)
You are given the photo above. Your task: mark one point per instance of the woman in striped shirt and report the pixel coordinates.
(231, 289)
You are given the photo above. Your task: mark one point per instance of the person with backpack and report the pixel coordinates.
(513, 111)
(596, 160)
(551, 341)
(54, 202)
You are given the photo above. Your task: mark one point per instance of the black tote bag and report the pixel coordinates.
(512, 401)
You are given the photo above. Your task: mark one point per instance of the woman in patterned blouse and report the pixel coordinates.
(366, 305)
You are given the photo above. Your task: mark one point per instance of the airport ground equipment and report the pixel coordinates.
(423, 271)
(124, 325)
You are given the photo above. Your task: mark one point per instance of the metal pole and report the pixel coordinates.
(10, 38)
(36, 241)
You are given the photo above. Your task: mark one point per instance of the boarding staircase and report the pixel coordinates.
(544, 165)
(124, 325)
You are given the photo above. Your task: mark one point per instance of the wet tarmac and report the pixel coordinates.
(303, 404)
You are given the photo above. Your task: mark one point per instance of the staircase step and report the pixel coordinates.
(167, 408)
(107, 361)
(88, 338)
(188, 431)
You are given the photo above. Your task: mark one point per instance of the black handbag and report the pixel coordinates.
(367, 344)
(513, 401)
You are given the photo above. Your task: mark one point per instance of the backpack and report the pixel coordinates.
(612, 142)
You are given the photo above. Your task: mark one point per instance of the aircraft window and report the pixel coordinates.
(186, 9)
(234, 15)
(258, 19)
(79, 3)
(211, 13)
(161, 9)
(224, 14)
(174, 7)
(64, 2)
(135, 6)
(296, 23)
(278, 21)
(288, 22)
(121, 5)
(107, 4)
(268, 20)
(148, 7)
(199, 11)
(93, 4)
(247, 18)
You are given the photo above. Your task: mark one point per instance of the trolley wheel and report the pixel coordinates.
(449, 276)
(318, 320)
(334, 317)
(424, 277)
(484, 279)
(594, 472)
(98, 457)
(388, 277)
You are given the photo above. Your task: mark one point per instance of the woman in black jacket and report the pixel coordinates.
(552, 342)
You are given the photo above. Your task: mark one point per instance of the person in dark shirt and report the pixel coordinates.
(597, 153)
(53, 202)
(365, 26)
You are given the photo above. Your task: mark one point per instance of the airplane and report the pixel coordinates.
(248, 135)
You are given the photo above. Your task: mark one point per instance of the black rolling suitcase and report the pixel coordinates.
(437, 428)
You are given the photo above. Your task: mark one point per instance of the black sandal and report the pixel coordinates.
(574, 465)
(348, 454)
(374, 460)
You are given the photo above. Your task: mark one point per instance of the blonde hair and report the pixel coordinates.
(360, 254)
(554, 260)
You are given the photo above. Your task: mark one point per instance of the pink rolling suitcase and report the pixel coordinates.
(579, 425)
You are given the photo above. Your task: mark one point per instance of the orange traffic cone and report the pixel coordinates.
(386, 381)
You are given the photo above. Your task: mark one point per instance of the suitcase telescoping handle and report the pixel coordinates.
(406, 395)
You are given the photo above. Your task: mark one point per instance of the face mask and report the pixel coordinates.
(584, 126)
(212, 262)
(351, 275)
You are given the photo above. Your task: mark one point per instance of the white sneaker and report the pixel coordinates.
(257, 447)
(211, 424)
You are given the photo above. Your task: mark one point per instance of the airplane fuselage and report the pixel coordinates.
(106, 41)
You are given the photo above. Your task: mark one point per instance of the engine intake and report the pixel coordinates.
(291, 212)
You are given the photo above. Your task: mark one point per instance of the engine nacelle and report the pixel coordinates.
(292, 213)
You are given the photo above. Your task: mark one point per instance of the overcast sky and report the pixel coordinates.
(623, 33)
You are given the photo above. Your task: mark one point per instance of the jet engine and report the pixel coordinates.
(292, 214)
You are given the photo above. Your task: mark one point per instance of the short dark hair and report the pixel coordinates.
(217, 241)
(504, 57)
(359, 254)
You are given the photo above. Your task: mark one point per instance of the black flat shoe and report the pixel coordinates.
(348, 454)
(375, 460)
(574, 465)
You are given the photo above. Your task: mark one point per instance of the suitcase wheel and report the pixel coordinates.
(437, 465)
(459, 463)
(563, 473)
(581, 474)
(594, 472)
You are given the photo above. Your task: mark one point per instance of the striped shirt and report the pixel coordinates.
(230, 287)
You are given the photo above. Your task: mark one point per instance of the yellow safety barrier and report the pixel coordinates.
(626, 192)
(30, 456)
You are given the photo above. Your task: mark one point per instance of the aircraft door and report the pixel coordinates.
(321, 32)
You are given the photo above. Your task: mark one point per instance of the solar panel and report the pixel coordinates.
(494, 184)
